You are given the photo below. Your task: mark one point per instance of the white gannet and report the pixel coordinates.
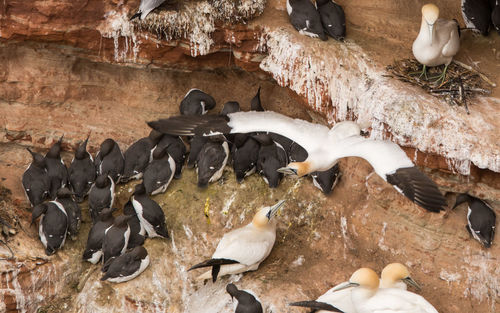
(394, 275)
(481, 219)
(146, 7)
(438, 40)
(243, 249)
(324, 147)
(367, 297)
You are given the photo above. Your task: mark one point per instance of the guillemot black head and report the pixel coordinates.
(103, 181)
(155, 136)
(106, 214)
(81, 152)
(139, 253)
(461, 198)
(159, 153)
(230, 107)
(55, 150)
(106, 147)
(140, 189)
(64, 193)
(38, 159)
(38, 210)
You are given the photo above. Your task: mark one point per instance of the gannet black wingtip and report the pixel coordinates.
(316, 306)
(419, 188)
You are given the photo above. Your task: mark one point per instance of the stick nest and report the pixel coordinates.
(461, 84)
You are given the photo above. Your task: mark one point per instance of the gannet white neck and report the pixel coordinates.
(430, 14)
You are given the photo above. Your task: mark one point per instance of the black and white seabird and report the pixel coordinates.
(127, 266)
(211, 161)
(243, 249)
(196, 102)
(57, 171)
(196, 144)
(176, 149)
(116, 238)
(245, 153)
(230, 107)
(481, 218)
(93, 249)
(81, 172)
(333, 18)
(305, 18)
(159, 173)
(324, 147)
(272, 156)
(149, 213)
(137, 232)
(255, 104)
(495, 15)
(138, 156)
(36, 180)
(438, 40)
(73, 211)
(146, 7)
(477, 15)
(247, 303)
(53, 225)
(110, 160)
(101, 195)
(326, 180)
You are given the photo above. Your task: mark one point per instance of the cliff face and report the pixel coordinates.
(74, 67)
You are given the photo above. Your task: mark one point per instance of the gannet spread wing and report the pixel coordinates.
(306, 134)
(324, 148)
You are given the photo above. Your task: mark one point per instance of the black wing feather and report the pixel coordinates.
(315, 305)
(190, 125)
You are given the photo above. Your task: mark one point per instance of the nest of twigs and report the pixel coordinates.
(461, 84)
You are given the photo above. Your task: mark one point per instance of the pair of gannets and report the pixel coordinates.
(243, 249)
(365, 293)
(438, 40)
(324, 148)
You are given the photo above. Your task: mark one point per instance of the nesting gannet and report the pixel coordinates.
(477, 15)
(438, 40)
(57, 171)
(247, 303)
(367, 297)
(243, 249)
(324, 147)
(81, 172)
(110, 160)
(394, 275)
(36, 182)
(305, 18)
(481, 219)
(146, 7)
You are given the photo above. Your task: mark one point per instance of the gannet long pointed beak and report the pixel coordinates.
(431, 33)
(287, 171)
(345, 286)
(275, 209)
(409, 281)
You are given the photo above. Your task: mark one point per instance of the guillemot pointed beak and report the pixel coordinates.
(409, 281)
(274, 209)
(287, 171)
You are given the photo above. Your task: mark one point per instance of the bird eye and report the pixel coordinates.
(89, 183)
(28, 190)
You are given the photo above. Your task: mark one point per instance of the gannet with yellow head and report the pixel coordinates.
(438, 40)
(394, 275)
(243, 249)
(324, 148)
(367, 297)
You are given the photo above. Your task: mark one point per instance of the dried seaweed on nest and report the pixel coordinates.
(460, 85)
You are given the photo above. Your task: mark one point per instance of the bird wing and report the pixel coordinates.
(244, 245)
(453, 44)
(149, 5)
(123, 265)
(310, 136)
(392, 164)
(398, 300)
(340, 299)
